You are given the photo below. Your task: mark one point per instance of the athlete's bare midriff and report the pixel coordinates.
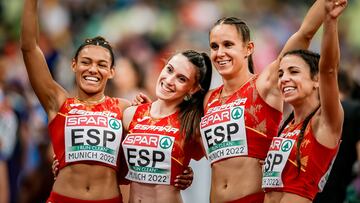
(87, 182)
(149, 193)
(235, 178)
(284, 197)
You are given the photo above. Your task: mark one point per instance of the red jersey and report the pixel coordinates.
(242, 125)
(281, 171)
(154, 149)
(84, 133)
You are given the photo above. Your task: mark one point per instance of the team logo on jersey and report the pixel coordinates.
(143, 118)
(286, 145)
(237, 113)
(165, 143)
(114, 124)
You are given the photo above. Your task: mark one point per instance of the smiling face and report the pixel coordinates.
(295, 82)
(177, 79)
(92, 68)
(228, 51)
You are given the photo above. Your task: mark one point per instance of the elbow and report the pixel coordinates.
(306, 36)
(26, 45)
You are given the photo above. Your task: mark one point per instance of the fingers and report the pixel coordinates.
(188, 170)
(340, 3)
(55, 167)
(185, 179)
(137, 100)
(182, 183)
(261, 162)
(140, 99)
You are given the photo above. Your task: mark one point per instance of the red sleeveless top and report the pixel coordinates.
(84, 133)
(242, 125)
(154, 149)
(316, 162)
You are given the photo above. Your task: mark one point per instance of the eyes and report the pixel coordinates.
(88, 62)
(227, 44)
(291, 71)
(179, 77)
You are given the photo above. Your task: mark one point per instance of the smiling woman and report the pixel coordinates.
(86, 144)
(310, 136)
(235, 144)
(164, 135)
(85, 130)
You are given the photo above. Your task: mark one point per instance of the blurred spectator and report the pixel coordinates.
(8, 129)
(128, 81)
(36, 186)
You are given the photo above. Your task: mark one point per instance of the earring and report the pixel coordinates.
(187, 97)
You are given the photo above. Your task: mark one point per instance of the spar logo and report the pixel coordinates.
(286, 145)
(144, 140)
(98, 121)
(114, 124)
(237, 113)
(278, 144)
(215, 118)
(165, 143)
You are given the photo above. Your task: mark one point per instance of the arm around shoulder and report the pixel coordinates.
(128, 116)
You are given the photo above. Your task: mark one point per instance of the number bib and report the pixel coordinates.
(275, 162)
(148, 157)
(92, 138)
(223, 133)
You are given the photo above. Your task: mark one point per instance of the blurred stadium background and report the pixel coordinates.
(144, 34)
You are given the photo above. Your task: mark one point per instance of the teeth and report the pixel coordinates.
(166, 88)
(223, 62)
(92, 78)
(287, 89)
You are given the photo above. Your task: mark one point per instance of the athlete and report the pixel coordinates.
(300, 159)
(164, 135)
(85, 129)
(242, 116)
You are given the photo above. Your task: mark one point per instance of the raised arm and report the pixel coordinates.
(50, 94)
(311, 23)
(331, 110)
(299, 40)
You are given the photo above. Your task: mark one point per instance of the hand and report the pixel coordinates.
(140, 99)
(184, 180)
(55, 167)
(335, 7)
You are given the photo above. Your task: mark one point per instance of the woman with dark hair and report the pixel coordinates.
(242, 116)
(300, 158)
(164, 135)
(85, 129)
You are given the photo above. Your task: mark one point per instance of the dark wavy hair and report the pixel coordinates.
(192, 110)
(97, 41)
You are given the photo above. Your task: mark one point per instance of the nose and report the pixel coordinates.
(284, 78)
(221, 51)
(170, 79)
(93, 68)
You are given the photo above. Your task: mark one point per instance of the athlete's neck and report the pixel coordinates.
(231, 85)
(91, 100)
(160, 109)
